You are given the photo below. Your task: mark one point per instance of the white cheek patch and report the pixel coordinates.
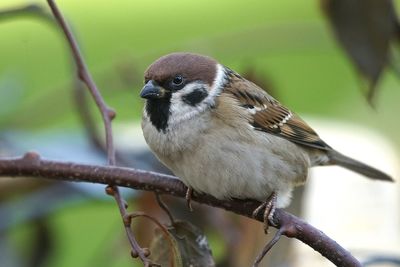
(181, 111)
(217, 87)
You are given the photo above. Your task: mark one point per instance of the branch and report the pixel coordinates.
(32, 165)
(107, 115)
(84, 75)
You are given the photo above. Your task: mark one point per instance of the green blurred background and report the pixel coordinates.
(287, 42)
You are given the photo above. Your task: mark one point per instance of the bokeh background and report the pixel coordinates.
(287, 46)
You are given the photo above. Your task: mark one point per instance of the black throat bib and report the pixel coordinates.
(158, 111)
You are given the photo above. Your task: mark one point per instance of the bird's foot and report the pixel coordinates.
(269, 207)
(188, 197)
(268, 216)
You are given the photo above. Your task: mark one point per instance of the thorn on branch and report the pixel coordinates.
(127, 219)
(81, 74)
(111, 113)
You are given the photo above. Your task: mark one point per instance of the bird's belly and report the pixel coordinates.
(227, 169)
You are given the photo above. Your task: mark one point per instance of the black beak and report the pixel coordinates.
(152, 91)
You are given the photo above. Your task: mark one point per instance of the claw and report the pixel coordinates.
(270, 206)
(188, 198)
(258, 209)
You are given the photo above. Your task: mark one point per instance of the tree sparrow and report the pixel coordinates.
(225, 136)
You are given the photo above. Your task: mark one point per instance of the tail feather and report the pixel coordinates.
(336, 158)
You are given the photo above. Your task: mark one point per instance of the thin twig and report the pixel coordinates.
(165, 208)
(136, 249)
(268, 247)
(164, 230)
(84, 75)
(107, 115)
(32, 10)
(32, 166)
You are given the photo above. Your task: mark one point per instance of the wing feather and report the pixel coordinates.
(271, 116)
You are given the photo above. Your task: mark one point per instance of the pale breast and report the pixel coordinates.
(240, 163)
(230, 162)
(177, 138)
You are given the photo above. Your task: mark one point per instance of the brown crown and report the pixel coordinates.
(191, 66)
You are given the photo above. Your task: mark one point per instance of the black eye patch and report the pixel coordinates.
(195, 97)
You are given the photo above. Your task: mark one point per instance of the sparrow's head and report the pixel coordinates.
(180, 85)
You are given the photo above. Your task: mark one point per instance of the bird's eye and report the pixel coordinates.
(178, 80)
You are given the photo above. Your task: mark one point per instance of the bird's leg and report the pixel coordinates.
(188, 197)
(270, 206)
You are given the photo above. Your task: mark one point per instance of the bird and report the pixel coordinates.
(225, 136)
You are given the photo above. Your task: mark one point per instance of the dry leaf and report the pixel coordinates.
(184, 245)
(365, 29)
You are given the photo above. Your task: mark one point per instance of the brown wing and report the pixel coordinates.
(272, 117)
